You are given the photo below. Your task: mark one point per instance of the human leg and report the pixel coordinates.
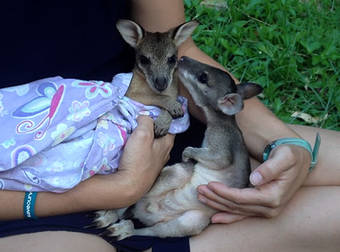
(55, 241)
(327, 171)
(309, 223)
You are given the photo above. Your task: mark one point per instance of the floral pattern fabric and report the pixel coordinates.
(57, 132)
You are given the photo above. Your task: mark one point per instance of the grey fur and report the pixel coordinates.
(171, 207)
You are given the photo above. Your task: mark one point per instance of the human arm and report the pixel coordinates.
(141, 162)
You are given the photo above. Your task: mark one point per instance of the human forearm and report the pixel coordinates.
(99, 192)
(260, 127)
(11, 203)
(84, 197)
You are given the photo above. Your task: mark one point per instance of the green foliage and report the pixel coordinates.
(291, 48)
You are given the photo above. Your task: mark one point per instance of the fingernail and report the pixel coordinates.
(216, 219)
(256, 178)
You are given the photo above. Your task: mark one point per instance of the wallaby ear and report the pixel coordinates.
(183, 31)
(131, 32)
(248, 90)
(230, 104)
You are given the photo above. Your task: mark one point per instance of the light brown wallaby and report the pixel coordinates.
(171, 207)
(154, 79)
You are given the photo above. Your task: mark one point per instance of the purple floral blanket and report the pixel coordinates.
(58, 132)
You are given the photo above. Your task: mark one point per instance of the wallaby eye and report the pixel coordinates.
(144, 60)
(172, 59)
(203, 78)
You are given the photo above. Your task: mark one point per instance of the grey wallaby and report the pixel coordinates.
(154, 79)
(171, 207)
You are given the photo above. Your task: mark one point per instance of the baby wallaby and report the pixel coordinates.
(171, 208)
(154, 79)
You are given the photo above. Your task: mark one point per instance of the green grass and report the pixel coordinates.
(290, 47)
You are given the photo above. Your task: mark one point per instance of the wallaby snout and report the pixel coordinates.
(161, 83)
(210, 86)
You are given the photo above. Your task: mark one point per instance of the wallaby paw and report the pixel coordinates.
(186, 154)
(176, 111)
(160, 129)
(104, 218)
(120, 230)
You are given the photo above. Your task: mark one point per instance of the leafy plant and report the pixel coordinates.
(291, 48)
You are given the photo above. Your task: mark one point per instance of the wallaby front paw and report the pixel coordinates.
(160, 129)
(176, 110)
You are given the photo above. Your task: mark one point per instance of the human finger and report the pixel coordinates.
(140, 140)
(223, 207)
(144, 128)
(213, 200)
(167, 140)
(144, 120)
(226, 218)
(162, 146)
(244, 196)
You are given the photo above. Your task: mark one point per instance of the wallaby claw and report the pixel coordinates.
(103, 219)
(160, 131)
(176, 111)
(120, 231)
(161, 127)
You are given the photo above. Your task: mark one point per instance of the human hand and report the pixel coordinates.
(144, 157)
(275, 181)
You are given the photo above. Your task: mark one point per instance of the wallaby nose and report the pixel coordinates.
(161, 83)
